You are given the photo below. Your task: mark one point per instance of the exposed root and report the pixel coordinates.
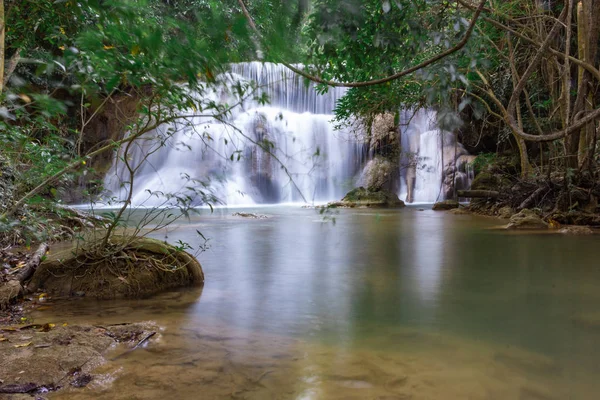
(127, 266)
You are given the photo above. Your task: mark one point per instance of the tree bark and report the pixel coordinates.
(12, 65)
(2, 44)
(32, 264)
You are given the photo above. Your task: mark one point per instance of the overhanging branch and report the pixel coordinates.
(397, 75)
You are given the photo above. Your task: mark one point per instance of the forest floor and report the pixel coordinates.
(42, 358)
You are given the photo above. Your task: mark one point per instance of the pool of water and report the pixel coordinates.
(402, 304)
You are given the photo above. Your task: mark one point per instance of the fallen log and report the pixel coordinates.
(35, 260)
(532, 198)
(14, 287)
(478, 194)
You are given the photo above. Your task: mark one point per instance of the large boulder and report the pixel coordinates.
(527, 219)
(126, 267)
(379, 174)
(361, 197)
(384, 139)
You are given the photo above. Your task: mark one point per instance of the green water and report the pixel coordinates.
(391, 304)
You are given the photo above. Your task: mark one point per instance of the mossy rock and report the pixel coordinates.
(486, 181)
(527, 219)
(130, 267)
(505, 212)
(361, 197)
(445, 205)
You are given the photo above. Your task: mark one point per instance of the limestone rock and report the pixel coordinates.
(526, 219)
(384, 135)
(379, 174)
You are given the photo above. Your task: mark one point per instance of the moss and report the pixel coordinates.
(132, 267)
(485, 181)
(361, 197)
(526, 219)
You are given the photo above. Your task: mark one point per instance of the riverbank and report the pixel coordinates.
(38, 359)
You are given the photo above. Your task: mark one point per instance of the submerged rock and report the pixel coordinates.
(40, 358)
(445, 205)
(526, 219)
(576, 230)
(361, 197)
(249, 215)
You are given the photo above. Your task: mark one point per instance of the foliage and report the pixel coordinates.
(85, 52)
(356, 41)
(483, 160)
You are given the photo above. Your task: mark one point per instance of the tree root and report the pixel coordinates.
(127, 266)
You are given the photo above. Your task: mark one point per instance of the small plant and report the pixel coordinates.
(483, 160)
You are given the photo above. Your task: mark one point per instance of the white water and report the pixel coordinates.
(310, 161)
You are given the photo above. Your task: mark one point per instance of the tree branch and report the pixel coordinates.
(397, 75)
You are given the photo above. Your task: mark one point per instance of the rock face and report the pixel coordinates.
(445, 205)
(361, 197)
(260, 164)
(109, 125)
(382, 171)
(526, 219)
(455, 173)
(384, 136)
(380, 174)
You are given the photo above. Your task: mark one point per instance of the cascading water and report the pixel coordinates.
(287, 151)
(433, 164)
(309, 161)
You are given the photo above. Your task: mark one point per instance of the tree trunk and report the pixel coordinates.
(588, 15)
(2, 46)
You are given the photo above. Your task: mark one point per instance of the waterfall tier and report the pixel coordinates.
(287, 151)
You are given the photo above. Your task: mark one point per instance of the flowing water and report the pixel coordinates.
(402, 304)
(286, 151)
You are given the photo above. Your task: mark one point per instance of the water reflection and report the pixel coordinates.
(430, 244)
(389, 303)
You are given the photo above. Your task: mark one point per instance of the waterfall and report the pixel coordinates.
(309, 161)
(433, 164)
